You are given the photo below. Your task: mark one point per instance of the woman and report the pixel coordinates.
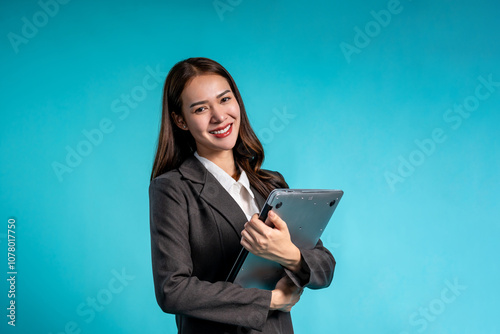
(206, 188)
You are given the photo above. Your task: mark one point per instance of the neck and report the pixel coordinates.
(225, 160)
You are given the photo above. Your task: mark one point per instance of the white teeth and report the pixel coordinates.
(221, 131)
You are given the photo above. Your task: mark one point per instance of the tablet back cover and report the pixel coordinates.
(306, 213)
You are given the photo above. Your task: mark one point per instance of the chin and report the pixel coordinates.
(228, 146)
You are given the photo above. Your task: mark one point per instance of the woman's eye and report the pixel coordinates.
(225, 99)
(200, 109)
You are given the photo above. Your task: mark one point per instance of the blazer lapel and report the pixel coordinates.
(214, 194)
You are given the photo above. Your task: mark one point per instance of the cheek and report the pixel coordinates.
(235, 111)
(237, 123)
(196, 127)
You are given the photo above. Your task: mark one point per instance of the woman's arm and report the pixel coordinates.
(271, 243)
(285, 295)
(311, 268)
(177, 291)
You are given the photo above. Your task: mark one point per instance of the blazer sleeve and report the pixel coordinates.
(317, 267)
(177, 291)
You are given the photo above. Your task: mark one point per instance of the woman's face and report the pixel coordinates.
(211, 113)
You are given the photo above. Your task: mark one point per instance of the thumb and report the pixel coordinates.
(277, 221)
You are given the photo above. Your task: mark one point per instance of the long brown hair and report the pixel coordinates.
(174, 145)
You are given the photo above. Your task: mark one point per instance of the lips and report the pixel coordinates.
(222, 132)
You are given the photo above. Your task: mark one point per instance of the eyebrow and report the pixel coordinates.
(201, 102)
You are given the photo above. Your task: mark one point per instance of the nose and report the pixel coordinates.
(218, 115)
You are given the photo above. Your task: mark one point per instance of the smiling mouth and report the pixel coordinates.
(222, 132)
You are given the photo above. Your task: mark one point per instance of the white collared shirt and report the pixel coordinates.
(239, 190)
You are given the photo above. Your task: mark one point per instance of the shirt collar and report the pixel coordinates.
(224, 178)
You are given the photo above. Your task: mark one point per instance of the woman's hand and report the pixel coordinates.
(285, 295)
(271, 243)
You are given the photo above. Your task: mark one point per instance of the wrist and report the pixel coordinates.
(293, 263)
(275, 295)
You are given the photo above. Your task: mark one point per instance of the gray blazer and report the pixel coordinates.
(195, 239)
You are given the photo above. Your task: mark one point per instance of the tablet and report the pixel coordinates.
(306, 213)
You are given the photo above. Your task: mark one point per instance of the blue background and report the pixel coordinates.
(353, 122)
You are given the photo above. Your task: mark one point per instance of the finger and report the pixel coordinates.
(245, 244)
(276, 221)
(248, 237)
(251, 234)
(257, 225)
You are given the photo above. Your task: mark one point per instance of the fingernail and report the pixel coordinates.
(271, 214)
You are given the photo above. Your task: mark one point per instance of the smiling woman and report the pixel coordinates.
(205, 192)
(212, 115)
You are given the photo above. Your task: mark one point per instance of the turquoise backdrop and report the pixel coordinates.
(395, 102)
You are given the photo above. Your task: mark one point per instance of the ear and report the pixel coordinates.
(179, 121)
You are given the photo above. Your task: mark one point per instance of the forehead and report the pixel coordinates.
(204, 87)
